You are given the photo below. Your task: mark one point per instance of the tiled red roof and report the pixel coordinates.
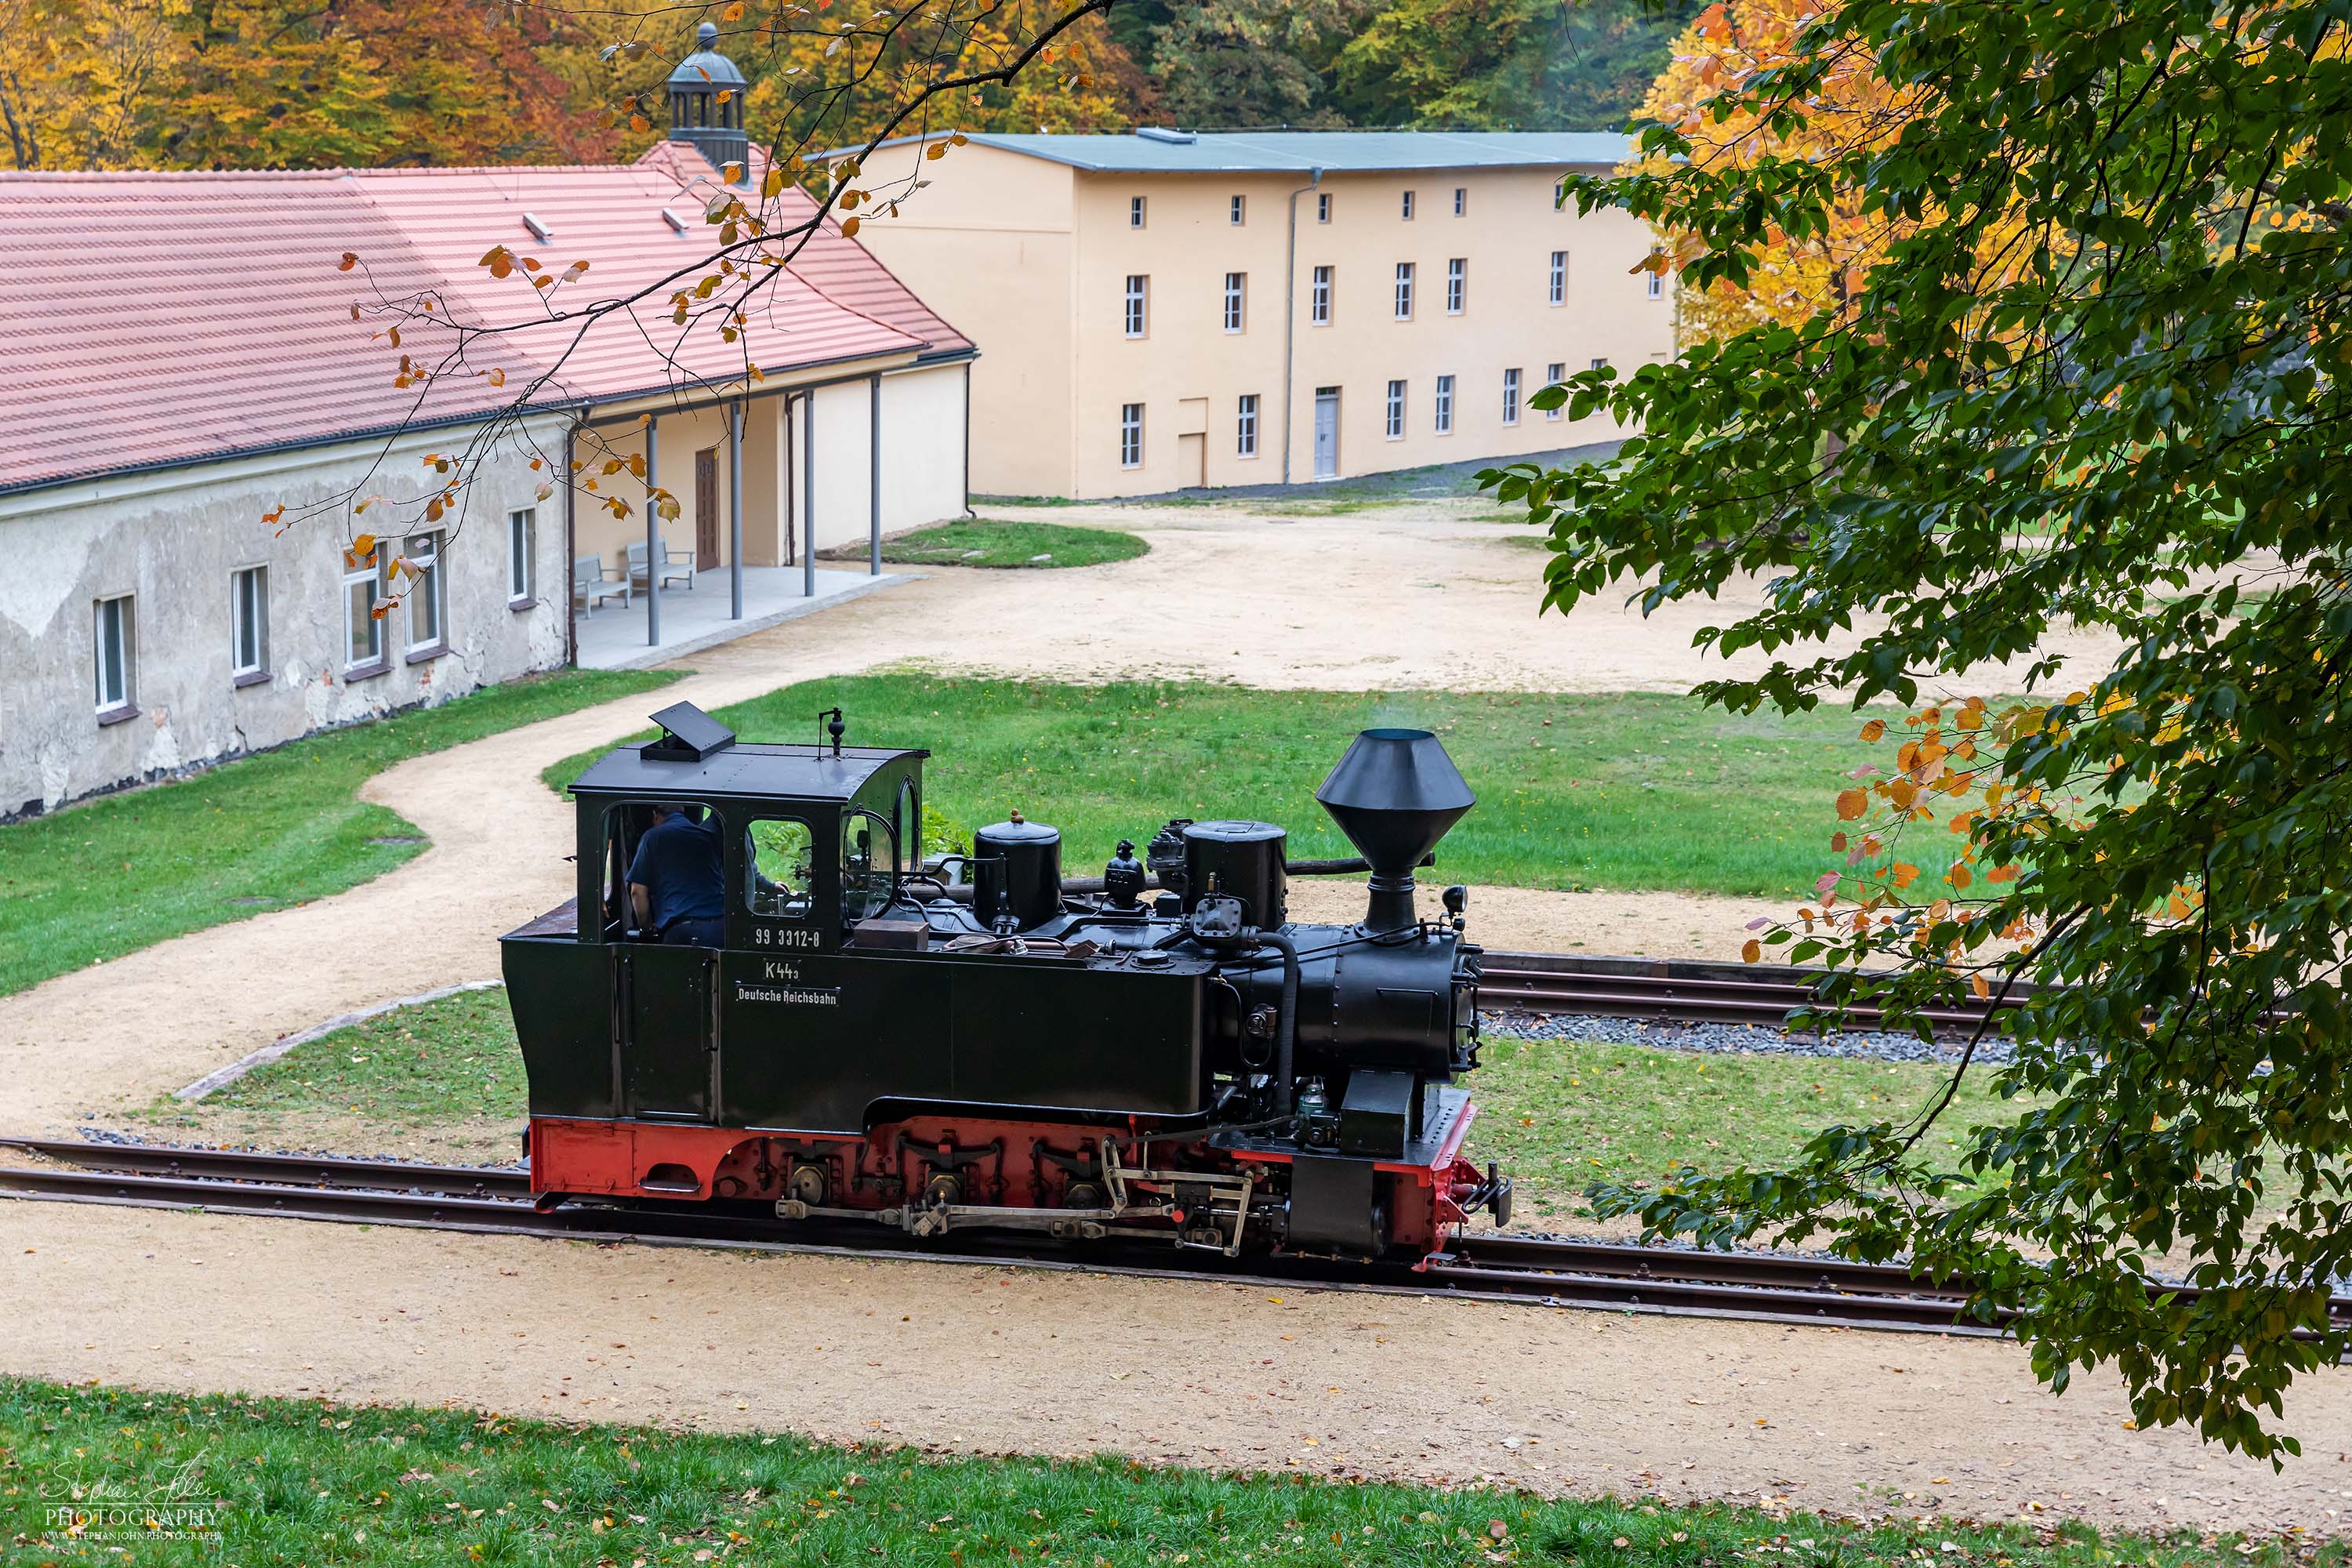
(227, 327)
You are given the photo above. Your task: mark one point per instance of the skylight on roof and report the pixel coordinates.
(537, 226)
(670, 216)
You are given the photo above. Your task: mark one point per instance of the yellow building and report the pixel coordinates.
(1166, 309)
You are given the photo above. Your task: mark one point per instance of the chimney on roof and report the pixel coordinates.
(705, 103)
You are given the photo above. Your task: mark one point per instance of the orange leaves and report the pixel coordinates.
(1959, 875)
(2001, 874)
(362, 549)
(1751, 950)
(849, 228)
(1852, 804)
(1872, 731)
(771, 184)
(1976, 984)
(1905, 873)
(350, 259)
(498, 259)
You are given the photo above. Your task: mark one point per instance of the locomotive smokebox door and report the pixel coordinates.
(1335, 1203)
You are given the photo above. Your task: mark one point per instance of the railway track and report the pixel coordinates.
(1548, 1270)
(1685, 990)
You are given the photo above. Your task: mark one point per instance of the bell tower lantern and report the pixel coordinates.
(706, 102)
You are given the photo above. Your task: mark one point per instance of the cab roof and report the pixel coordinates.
(741, 770)
(697, 757)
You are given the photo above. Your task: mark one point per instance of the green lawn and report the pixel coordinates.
(450, 1066)
(101, 880)
(1630, 791)
(313, 1481)
(995, 541)
(1559, 1113)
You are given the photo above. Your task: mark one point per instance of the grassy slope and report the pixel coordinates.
(314, 1481)
(996, 542)
(1560, 1113)
(122, 872)
(1629, 791)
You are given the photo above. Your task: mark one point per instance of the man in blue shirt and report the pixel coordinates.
(678, 881)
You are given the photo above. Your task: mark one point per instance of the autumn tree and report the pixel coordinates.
(2093, 382)
(1495, 64)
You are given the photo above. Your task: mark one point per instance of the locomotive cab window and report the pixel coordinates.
(779, 867)
(869, 866)
(679, 875)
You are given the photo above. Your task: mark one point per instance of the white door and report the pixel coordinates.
(1327, 432)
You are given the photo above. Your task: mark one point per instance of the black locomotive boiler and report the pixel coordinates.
(1163, 1053)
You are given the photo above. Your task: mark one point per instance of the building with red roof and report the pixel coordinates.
(184, 362)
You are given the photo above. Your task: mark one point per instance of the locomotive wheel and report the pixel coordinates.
(1084, 1195)
(944, 1189)
(808, 1183)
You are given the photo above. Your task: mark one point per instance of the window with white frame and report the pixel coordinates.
(1404, 292)
(1322, 206)
(1135, 211)
(1601, 364)
(1457, 283)
(427, 608)
(1461, 200)
(1395, 427)
(1234, 284)
(1408, 207)
(1654, 284)
(1553, 375)
(1511, 396)
(1558, 294)
(1319, 305)
(1133, 315)
(522, 541)
(1445, 407)
(116, 646)
(1130, 435)
(248, 621)
(363, 595)
(1245, 427)
(1239, 207)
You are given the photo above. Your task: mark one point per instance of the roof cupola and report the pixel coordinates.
(706, 102)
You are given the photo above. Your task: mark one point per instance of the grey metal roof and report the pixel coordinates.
(801, 773)
(1334, 152)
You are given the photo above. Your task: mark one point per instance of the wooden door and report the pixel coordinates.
(706, 509)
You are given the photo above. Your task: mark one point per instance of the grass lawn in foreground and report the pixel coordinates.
(1624, 792)
(97, 881)
(1559, 1113)
(995, 541)
(302, 1481)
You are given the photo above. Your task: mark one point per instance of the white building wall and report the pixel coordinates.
(922, 434)
(172, 540)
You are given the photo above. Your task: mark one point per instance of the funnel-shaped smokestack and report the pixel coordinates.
(1394, 795)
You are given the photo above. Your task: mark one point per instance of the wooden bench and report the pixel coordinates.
(589, 586)
(674, 567)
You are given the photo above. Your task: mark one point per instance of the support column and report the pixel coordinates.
(808, 494)
(735, 508)
(874, 480)
(653, 534)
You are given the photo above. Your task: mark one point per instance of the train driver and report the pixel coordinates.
(677, 881)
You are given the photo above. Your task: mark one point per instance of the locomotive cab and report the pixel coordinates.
(869, 1039)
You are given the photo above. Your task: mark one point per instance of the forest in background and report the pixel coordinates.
(190, 84)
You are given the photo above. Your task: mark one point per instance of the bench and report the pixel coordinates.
(589, 586)
(674, 567)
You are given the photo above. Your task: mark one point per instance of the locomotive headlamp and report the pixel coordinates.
(1458, 899)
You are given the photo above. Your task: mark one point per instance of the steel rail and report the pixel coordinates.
(1686, 990)
(1554, 1270)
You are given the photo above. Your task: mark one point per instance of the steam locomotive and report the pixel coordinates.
(975, 1043)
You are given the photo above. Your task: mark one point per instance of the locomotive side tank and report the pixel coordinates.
(872, 1039)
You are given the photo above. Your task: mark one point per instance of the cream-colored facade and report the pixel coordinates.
(1280, 285)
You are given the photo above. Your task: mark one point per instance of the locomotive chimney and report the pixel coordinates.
(1394, 795)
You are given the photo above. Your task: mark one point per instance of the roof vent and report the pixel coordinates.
(669, 216)
(1168, 133)
(688, 735)
(537, 226)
